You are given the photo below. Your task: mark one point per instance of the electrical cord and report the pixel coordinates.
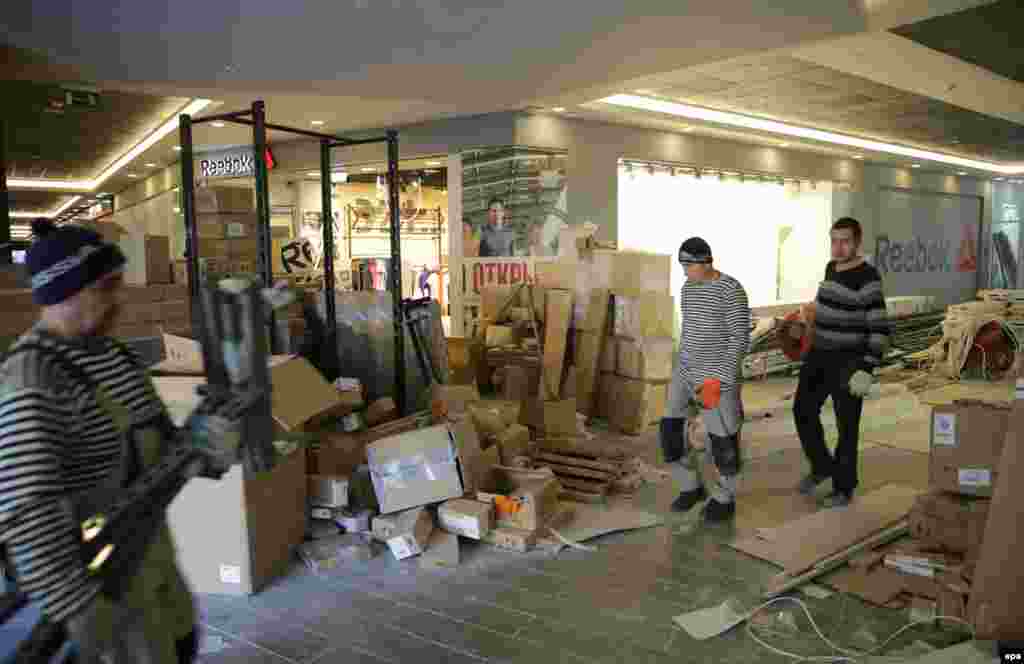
(847, 655)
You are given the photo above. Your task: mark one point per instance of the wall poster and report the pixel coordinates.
(512, 206)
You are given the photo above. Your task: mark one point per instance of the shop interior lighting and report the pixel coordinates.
(643, 103)
(177, 148)
(48, 215)
(915, 165)
(962, 173)
(559, 109)
(317, 123)
(368, 169)
(150, 165)
(193, 107)
(433, 163)
(218, 124)
(339, 177)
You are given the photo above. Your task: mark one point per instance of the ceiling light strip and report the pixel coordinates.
(47, 215)
(758, 124)
(682, 168)
(193, 107)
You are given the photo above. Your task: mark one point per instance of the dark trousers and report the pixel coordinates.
(823, 375)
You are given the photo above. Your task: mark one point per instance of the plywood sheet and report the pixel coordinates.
(798, 545)
(556, 339)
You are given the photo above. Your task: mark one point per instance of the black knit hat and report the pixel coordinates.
(64, 260)
(695, 251)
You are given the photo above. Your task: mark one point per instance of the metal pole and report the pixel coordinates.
(5, 203)
(259, 146)
(188, 209)
(327, 215)
(396, 270)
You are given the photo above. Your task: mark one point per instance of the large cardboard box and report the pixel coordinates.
(638, 315)
(647, 358)
(630, 270)
(550, 418)
(415, 469)
(468, 518)
(236, 534)
(224, 199)
(158, 260)
(967, 439)
(950, 522)
(631, 405)
(995, 606)
(556, 274)
(534, 495)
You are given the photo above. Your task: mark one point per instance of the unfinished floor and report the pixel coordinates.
(614, 604)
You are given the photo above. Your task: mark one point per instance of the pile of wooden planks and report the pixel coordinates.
(588, 472)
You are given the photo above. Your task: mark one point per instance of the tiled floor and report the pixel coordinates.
(612, 605)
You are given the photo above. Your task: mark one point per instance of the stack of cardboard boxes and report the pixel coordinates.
(226, 225)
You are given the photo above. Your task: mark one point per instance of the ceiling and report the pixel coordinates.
(359, 64)
(785, 88)
(985, 36)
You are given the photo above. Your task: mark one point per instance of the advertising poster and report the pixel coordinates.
(513, 206)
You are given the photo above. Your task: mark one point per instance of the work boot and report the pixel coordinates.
(837, 499)
(687, 499)
(716, 512)
(809, 484)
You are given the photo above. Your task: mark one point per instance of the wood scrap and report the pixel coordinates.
(583, 496)
(567, 460)
(581, 447)
(589, 486)
(576, 471)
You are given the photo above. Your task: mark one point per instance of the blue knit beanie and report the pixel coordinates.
(65, 259)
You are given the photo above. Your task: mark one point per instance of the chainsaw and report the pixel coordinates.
(232, 423)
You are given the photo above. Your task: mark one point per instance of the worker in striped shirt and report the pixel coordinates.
(79, 415)
(850, 336)
(714, 338)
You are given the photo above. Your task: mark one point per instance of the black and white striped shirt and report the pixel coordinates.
(56, 440)
(715, 331)
(850, 314)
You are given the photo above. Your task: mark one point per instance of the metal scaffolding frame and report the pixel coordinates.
(256, 118)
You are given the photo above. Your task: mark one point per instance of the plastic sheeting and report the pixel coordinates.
(366, 341)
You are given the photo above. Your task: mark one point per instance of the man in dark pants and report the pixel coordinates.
(851, 333)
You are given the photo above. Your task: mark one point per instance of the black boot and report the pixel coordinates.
(716, 512)
(687, 499)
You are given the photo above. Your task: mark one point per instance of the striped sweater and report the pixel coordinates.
(850, 314)
(715, 331)
(56, 440)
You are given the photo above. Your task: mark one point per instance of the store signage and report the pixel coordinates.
(234, 163)
(297, 257)
(912, 256)
(496, 273)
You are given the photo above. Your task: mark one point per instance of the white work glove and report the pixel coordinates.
(217, 433)
(860, 383)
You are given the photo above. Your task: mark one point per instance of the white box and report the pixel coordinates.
(327, 491)
(414, 469)
(469, 518)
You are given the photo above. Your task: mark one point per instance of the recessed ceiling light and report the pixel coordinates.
(433, 163)
(962, 173)
(151, 165)
(915, 165)
(687, 129)
(559, 109)
(783, 145)
(316, 123)
(313, 174)
(368, 169)
(217, 124)
(684, 110)
(132, 175)
(644, 91)
(177, 148)
(858, 156)
(339, 176)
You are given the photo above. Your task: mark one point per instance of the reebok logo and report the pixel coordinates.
(227, 166)
(912, 256)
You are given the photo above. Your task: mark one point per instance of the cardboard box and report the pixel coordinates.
(414, 469)
(967, 439)
(631, 405)
(341, 453)
(521, 382)
(640, 315)
(224, 199)
(456, 397)
(629, 270)
(512, 539)
(556, 274)
(411, 532)
(593, 311)
(442, 551)
(158, 259)
(534, 495)
(995, 608)
(950, 522)
(514, 442)
(552, 418)
(381, 411)
(236, 534)
(209, 248)
(648, 358)
(475, 462)
(501, 335)
(494, 298)
(468, 518)
(327, 490)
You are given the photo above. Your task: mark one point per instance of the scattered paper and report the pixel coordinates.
(704, 624)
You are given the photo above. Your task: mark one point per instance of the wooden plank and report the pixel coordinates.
(784, 582)
(589, 486)
(581, 447)
(556, 339)
(574, 471)
(583, 496)
(802, 543)
(577, 461)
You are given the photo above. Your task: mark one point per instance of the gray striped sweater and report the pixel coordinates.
(850, 315)
(56, 440)
(715, 332)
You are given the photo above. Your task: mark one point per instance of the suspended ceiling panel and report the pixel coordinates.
(788, 89)
(986, 36)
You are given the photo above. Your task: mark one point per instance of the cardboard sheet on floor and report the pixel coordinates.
(980, 390)
(912, 435)
(590, 521)
(707, 623)
(798, 545)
